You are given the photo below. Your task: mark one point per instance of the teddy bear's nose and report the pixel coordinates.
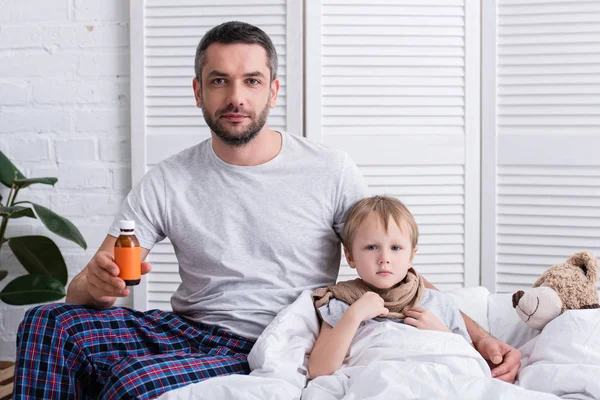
(516, 297)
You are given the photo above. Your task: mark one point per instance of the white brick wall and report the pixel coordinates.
(64, 112)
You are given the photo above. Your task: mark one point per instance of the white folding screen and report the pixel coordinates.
(396, 85)
(541, 137)
(165, 120)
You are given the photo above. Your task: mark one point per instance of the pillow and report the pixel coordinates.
(504, 322)
(473, 301)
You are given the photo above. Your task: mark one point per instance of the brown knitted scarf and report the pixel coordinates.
(404, 295)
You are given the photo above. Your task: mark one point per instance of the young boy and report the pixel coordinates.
(380, 243)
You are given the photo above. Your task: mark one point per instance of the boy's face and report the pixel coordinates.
(236, 92)
(381, 258)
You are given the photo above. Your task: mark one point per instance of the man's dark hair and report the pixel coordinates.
(235, 32)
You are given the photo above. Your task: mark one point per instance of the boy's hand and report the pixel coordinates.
(369, 306)
(424, 319)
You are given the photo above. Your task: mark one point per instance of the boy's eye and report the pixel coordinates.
(371, 247)
(396, 248)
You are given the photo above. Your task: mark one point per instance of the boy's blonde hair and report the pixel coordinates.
(384, 207)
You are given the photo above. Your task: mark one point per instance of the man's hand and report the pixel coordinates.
(103, 282)
(421, 318)
(504, 359)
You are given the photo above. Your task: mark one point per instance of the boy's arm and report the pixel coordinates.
(506, 358)
(332, 345)
(475, 331)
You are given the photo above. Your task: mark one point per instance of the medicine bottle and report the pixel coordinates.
(127, 254)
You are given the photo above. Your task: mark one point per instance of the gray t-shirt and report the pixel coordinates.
(441, 305)
(248, 239)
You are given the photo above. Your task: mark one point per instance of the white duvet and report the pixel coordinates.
(392, 360)
(565, 358)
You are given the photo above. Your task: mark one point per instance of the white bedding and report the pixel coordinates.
(277, 360)
(397, 360)
(394, 359)
(564, 358)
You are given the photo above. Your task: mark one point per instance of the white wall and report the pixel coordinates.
(64, 112)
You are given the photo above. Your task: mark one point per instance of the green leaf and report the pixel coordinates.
(3, 274)
(16, 212)
(59, 225)
(32, 289)
(8, 171)
(39, 255)
(23, 183)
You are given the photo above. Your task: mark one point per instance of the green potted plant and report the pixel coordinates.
(39, 255)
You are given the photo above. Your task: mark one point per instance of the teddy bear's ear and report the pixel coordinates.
(588, 264)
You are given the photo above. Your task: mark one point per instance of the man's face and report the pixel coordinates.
(236, 92)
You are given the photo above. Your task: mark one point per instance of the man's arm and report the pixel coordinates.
(475, 331)
(503, 358)
(98, 284)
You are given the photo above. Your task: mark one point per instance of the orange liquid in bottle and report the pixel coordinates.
(127, 254)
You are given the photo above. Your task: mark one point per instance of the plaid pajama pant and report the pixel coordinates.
(69, 351)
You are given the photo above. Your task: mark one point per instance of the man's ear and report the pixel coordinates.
(197, 86)
(274, 92)
(349, 258)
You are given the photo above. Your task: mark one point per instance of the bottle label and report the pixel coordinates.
(129, 260)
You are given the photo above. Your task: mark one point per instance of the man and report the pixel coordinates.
(255, 217)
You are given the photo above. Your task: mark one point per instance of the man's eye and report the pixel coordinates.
(218, 81)
(253, 82)
(371, 247)
(396, 248)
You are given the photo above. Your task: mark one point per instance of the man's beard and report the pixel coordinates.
(235, 139)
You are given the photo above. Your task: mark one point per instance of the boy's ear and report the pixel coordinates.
(414, 252)
(349, 257)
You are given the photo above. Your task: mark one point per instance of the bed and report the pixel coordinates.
(396, 360)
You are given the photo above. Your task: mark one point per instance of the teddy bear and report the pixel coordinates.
(568, 286)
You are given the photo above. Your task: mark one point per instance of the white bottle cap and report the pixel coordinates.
(124, 224)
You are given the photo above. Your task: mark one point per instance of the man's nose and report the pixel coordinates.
(236, 94)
